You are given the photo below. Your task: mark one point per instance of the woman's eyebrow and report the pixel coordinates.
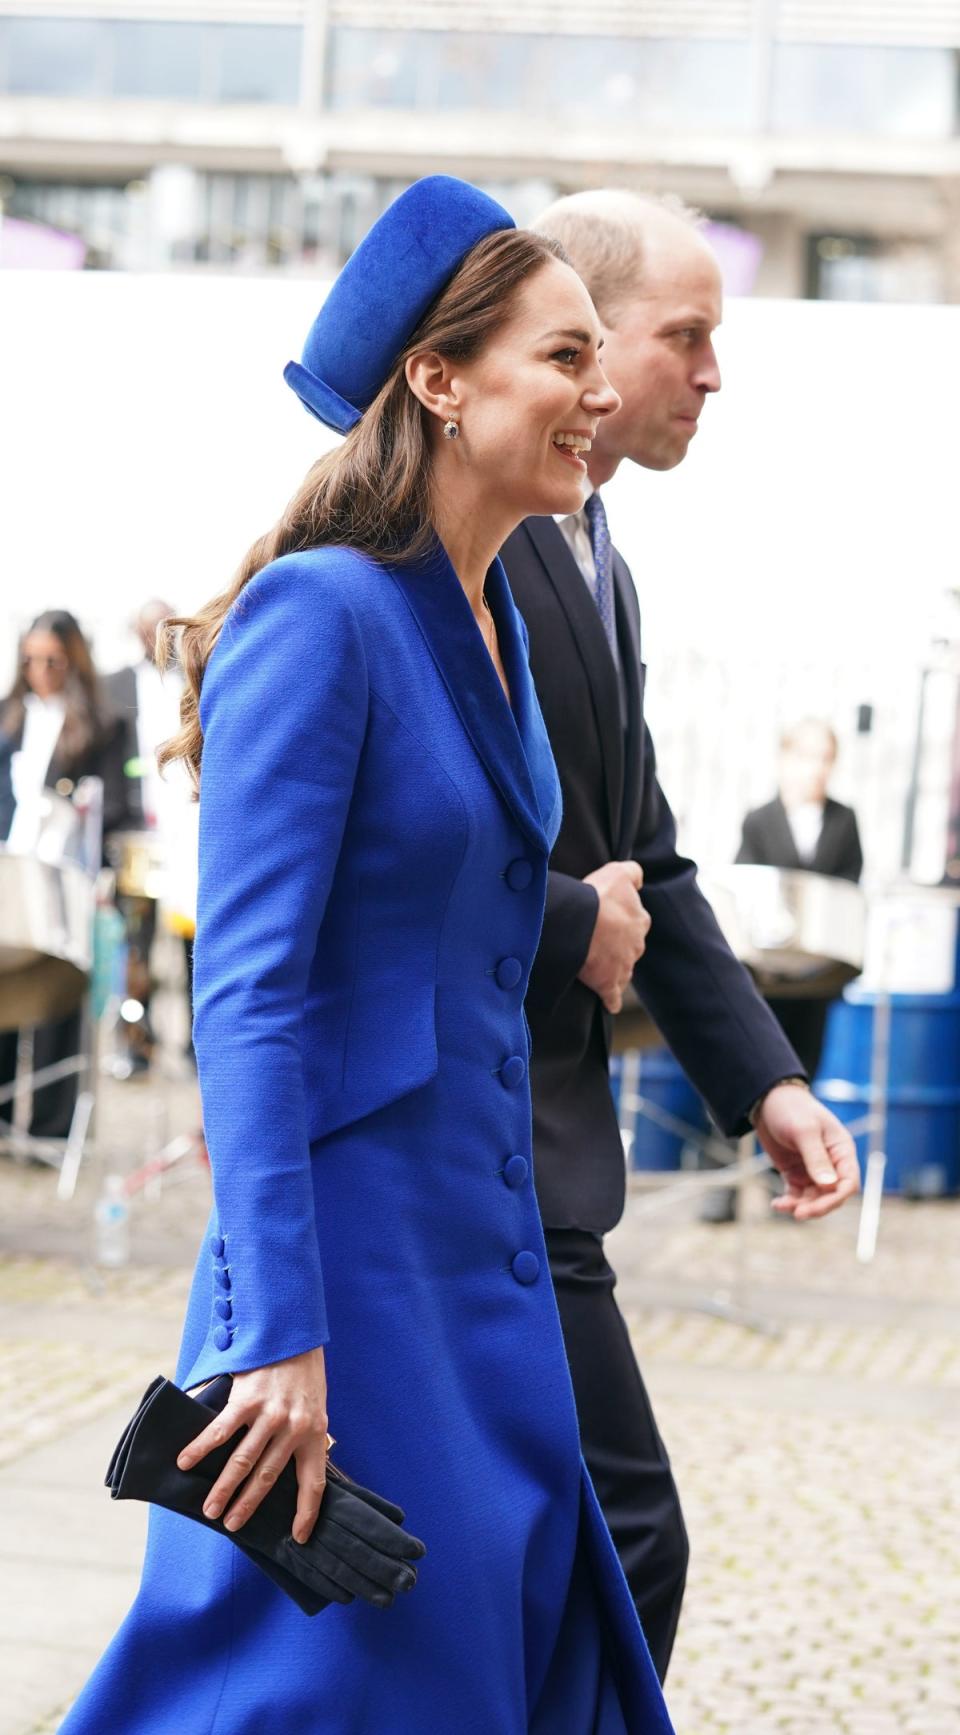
(578, 336)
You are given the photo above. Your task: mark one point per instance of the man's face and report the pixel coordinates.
(659, 356)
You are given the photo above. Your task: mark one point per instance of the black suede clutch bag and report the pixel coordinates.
(358, 1547)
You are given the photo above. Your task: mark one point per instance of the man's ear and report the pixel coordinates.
(429, 378)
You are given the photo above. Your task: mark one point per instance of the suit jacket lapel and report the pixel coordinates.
(590, 639)
(784, 840)
(628, 638)
(825, 852)
(503, 737)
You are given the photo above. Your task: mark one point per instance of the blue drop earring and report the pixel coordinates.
(451, 429)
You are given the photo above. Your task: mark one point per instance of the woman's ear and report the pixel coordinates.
(429, 379)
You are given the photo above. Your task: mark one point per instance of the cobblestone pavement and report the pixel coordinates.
(818, 1459)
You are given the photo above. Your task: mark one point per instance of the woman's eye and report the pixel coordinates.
(567, 355)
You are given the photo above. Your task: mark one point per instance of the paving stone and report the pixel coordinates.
(818, 1462)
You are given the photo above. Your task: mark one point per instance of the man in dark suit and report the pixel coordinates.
(147, 705)
(657, 289)
(803, 828)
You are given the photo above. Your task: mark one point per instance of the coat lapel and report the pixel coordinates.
(628, 638)
(509, 739)
(784, 841)
(590, 639)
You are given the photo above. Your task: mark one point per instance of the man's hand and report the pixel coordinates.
(812, 1150)
(620, 934)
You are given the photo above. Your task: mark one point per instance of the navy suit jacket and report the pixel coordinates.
(701, 998)
(768, 841)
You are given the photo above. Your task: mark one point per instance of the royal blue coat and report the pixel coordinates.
(375, 826)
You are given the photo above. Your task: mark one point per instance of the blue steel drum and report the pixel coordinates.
(664, 1083)
(922, 1142)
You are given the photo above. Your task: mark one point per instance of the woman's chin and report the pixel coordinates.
(557, 500)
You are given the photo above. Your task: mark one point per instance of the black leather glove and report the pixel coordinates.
(357, 1547)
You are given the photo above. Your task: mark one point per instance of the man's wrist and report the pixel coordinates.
(753, 1113)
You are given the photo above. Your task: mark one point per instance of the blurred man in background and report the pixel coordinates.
(148, 706)
(656, 286)
(804, 828)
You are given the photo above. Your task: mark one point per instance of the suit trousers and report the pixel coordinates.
(619, 1438)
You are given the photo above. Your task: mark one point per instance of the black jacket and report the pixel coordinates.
(103, 758)
(768, 841)
(701, 998)
(120, 688)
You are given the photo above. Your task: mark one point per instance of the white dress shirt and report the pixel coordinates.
(576, 533)
(806, 823)
(42, 723)
(158, 717)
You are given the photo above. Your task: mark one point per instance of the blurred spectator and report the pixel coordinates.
(148, 706)
(804, 828)
(55, 728)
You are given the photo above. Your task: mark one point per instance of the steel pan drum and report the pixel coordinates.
(46, 932)
(137, 857)
(800, 934)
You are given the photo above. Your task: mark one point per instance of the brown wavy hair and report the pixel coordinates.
(86, 718)
(373, 492)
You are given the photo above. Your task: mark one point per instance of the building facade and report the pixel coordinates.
(270, 133)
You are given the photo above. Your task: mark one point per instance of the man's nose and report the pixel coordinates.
(707, 376)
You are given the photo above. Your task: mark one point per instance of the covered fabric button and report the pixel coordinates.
(224, 1308)
(222, 1277)
(515, 1171)
(217, 1245)
(223, 1336)
(513, 1071)
(519, 874)
(526, 1267)
(508, 972)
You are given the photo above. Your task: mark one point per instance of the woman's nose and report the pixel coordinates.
(600, 398)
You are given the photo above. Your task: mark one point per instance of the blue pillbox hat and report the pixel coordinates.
(383, 292)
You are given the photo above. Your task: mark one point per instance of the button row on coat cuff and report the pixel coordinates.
(223, 1337)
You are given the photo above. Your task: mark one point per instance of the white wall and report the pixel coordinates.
(795, 561)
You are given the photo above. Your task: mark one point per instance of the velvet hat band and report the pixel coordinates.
(383, 292)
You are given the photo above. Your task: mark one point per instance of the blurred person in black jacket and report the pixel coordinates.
(55, 728)
(803, 827)
(148, 706)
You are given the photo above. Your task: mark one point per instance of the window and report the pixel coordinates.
(168, 61)
(908, 93)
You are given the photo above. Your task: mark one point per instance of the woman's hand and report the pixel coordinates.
(284, 1407)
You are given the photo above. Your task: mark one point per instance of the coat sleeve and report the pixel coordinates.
(284, 712)
(751, 849)
(853, 855)
(703, 1000)
(569, 919)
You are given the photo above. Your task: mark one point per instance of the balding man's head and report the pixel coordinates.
(613, 236)
(656, 285)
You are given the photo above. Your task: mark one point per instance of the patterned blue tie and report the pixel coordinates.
(603, 561)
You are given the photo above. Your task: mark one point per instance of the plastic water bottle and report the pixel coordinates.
(112, 1223)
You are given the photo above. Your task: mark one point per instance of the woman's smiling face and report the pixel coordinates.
(529, 404)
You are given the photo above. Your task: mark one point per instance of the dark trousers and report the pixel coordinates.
(622, 1448)
(53, 1104)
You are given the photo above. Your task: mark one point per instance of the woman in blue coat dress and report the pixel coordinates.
(377, 805)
